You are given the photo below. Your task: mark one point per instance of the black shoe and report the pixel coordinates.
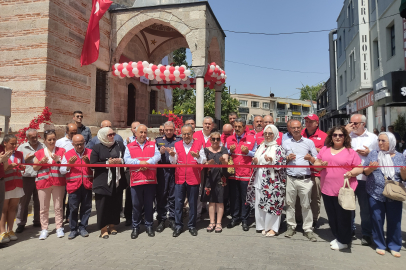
(193, 231)
(353, 233)
(366, 240)
(150, 231)
(135, 233)
(232, 224)
(245, 226)
(172, 224)
(37, 225)
(177, 232)
(20, 228)
(128, 222)
(161, 226)
(315, 224)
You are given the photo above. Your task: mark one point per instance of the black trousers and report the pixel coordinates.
(239, 209)
(192, 192)
(339, 219)
(128, 205)
(143, 197)
(165, 198)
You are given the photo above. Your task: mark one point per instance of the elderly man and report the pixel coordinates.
(161, 130)
(204, 135)
(79, 186)
(165, 191)
(130, 139)
(299, 181)
(258, 125)
(192, 123)
(82, 129)
(227, 132)
(95, 140)
(28, 149)
(142, 180)
(363, 142)
(268, 120)
(241, 147)
(66, 141)
(187, 179)
(287, 135)
(318, 137)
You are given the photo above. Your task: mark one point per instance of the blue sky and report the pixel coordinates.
(299, 52)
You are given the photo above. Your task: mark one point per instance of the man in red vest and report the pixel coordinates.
(242, 148)
(187, 179)
(204, 135)
(268, 120)
(313, 133)
(258, 125)
(142, 180)
(79, 182)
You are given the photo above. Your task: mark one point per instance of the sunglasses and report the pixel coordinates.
(49, 131)
(215, 139)
(79, 116)
(335, 135)
(356, 123)
(268, 133)
(111, 135)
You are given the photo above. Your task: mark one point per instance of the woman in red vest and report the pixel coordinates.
(14, 188)
(49, 182)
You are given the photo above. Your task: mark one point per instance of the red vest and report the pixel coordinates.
(13, 178)
(198, 136)
(49, 176)
(78, 175)
(1, 165)
(190, 175)
(239, 158)
(142, 177)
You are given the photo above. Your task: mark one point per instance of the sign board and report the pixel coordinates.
(363, 24)
(243, 110)
(296, 113)
(382, 84)
(365, 101)
(144, 80)
(381, 94)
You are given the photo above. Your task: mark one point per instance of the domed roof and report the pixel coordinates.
(147, 3)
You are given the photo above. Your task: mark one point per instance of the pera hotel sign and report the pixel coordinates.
(363, 14)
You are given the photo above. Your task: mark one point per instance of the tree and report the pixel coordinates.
(306, 91)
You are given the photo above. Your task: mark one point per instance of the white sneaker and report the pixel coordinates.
(43, 235)
(338, 246)
(333, 242)
(60, 233)
(4, 238)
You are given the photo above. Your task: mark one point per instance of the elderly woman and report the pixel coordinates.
(266, 189)
(378, 203)
(108, 181)
(338, 152)
(215, 182)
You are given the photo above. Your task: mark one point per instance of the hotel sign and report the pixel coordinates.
(365, 101)
(364, 43)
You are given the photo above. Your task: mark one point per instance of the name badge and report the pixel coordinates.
(248, 142)
(318, 138)
(161, 143)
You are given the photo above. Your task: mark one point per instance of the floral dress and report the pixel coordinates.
(273, 190)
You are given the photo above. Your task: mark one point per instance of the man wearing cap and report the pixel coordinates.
(312, 132)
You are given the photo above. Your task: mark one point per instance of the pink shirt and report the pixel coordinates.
(332, 179)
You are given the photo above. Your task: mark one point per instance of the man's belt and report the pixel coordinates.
(301, 177)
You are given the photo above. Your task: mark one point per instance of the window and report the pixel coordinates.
(265, 105)
(254, 104)
(295, 108)
(243, 116)
(350, 14)
(243, 103)
(372, 5)
(340, 47)
(101, 91)
(352, 65)
(281, 107)
(392, 40)
(306, 110)
(341, 85)
(376, 53)
(345, 83)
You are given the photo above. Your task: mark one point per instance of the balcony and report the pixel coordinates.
(243, 110)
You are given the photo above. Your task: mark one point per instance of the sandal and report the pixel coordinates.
(395, 254)
(380, 251)
(264, 232)
(104, 236)
(210, 228)
(219, 228)
(270, 233)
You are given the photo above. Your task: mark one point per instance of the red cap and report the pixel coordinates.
(312, 117)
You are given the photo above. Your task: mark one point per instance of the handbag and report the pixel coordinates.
(230, 170)
(394, 190)
(346, 196)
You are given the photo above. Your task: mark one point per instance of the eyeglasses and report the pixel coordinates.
(79, 116)
(335, 135)
(215, 139)
(79, 144)
(268, 133)
(356, 123)
(381, 141)
(186, 134)
(111, 135)
(295, 128)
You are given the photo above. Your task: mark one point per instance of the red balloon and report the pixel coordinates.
(122, 75)
(139, 63)
(181, 70)
(162, 76)
(171, 77)
(207, 78)
(182, 76)
(120, 67)
(154, 67)
(213, 64)
(209, 71)
(162, 69)
(131, 74)
(141, 73)
(172, 69)
(216, 70)
(129, 67)
(114, 74)
(159, 87)
(130, 63)
(140, 67)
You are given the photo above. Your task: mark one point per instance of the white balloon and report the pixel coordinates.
(177, 67)
(145, 64)
(218, 82)
(187, 72)
(151, 77)
(167, 79)
(125, 65)
(125, 71)
(176, 73)
(168, 67)
(150, 65)
(225, 76)
(121, 77)
(157, 72)
(117, 72)
(212, 67)
(134, 64)
(177, 79)
(159, 66)
(166, 73)
(217, 66)
(149, 70)
(184, 79)
(158, 78)
(184, 67)
(222, 75)
(116, 65)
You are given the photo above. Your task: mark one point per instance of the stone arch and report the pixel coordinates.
(167, 48)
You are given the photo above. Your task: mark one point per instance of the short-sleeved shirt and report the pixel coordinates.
(318, 137)
(300, 148)
(367, 139)
(332, 179)
(376, 181)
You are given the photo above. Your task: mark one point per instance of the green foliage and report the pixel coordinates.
(400, 125)
(306, 91)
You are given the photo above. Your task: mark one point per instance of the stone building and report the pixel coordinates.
(41, 43)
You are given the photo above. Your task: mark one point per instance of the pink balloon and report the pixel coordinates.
(209, 71)
(181, 70)
(172, 69)
(141, 73)
(182, 76)
(216, 70)
(139, 63)
(122, 75)
(162, 76)
(131, 74)
(162, 69)
(120, 67)
(129, 67)
(213, 64)
(154, 67)
(171, 76)
(114, 67)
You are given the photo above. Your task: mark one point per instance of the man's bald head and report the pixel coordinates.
(228, 129)
(268, 120)
(71, 130)
(78, 138)
(105, 123)
(78, 142)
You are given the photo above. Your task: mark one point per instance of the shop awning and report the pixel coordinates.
(306, 105)
(296, 104)
(282, 102)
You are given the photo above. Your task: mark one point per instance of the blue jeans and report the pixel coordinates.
(82, 197)
(362, 197)
(143, 196)
(192, 192)
(393, 212)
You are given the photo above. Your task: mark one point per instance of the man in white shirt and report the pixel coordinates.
(66, 141)
(362, 141)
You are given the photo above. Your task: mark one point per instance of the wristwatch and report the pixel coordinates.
(58, 162)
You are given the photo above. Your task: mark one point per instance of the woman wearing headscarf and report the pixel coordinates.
(380, 206)
(108, 181)
(266, 189)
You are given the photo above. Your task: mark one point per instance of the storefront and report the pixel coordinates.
(364, 106)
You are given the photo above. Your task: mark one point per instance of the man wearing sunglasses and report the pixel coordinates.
(95, 140)
(82, 129)
(362, 141)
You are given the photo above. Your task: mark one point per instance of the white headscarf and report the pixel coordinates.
(270, 149)
(102, 136)
(384, 157)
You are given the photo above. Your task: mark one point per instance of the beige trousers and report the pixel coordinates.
(44, 196)
(315, 201)
(301, 188)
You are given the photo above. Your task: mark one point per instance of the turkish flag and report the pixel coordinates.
(90, 51)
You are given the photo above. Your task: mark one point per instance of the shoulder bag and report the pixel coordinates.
(394, 190)
(346, 196)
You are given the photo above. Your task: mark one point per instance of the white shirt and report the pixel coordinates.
(64, 143)
(358, 142)
(153, 160)
(201, 160)
(206, 138)
(300, 148)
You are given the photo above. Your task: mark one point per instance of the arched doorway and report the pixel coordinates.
(131, 104)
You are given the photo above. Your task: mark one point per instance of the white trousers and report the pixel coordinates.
(264, 220)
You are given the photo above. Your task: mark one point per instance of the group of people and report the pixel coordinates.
(337, 155)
